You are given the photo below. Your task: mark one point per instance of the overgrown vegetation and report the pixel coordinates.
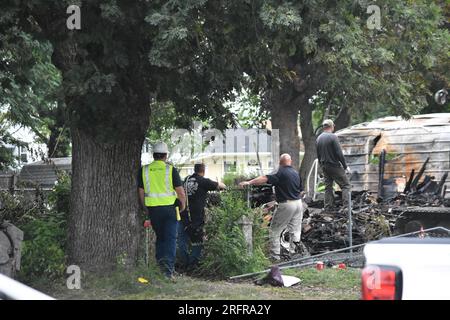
(43, 254)
(42, 218)
(232, 179)
(17, 209)
(226, 251)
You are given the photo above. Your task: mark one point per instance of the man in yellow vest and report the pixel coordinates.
(161, 193)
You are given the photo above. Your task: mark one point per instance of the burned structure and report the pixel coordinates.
(399, 176)
(406, 146)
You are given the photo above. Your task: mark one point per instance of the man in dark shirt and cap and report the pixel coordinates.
(332, 162)
(190, 230)
(289, 214)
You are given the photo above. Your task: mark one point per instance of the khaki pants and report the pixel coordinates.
(288, 215)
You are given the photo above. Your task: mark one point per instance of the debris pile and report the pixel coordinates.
(373, 217)
(328, 230)
(428, 192)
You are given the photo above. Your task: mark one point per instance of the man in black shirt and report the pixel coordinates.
(193, 218)
(334, 167)
(289, 214)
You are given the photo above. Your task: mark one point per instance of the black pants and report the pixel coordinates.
(338, 175)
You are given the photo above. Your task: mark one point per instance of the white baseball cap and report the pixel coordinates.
(328, 123)
(160, 147)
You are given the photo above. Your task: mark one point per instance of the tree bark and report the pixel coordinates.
(308, 138)
(103, 222)
(343, 119)
(284, 115)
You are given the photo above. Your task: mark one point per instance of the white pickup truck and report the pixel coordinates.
(407, 269)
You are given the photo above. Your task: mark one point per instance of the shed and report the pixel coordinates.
(408, 143)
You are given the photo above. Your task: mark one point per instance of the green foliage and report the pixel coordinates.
(234, 178)
(7, 158)
(59, 198)
(375, 159)
(43, 252)
(30, 84)
(226, 252)
(29, 81)
(248, 112)
(44, 225)
(18, 209)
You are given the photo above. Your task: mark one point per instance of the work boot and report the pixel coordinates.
(300, 249)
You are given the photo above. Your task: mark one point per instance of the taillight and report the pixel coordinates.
(381, 283)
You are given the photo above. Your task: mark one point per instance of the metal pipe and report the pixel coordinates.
(381, 167)
(350, 222)
(315, 178)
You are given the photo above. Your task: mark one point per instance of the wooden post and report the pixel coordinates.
(247, 230)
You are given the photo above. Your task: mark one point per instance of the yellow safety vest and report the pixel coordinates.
(158, 186)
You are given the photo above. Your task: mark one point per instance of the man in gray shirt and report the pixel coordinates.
(333, 164)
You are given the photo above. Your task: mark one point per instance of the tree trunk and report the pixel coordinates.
(308, 138)
(103, 222)
(284, 117)
(343, 119)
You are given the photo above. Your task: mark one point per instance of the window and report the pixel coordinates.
(24, 158)
(230, 166)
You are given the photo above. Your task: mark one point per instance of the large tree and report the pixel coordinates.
(126, 57)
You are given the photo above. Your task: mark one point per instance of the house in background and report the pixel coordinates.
(240, 151)
(45, 173)
(30, 153)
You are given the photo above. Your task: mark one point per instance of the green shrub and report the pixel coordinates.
(225, 252)
(17, 209)
(59, 198)
(43, 254)
(231, 179)
(44, 247)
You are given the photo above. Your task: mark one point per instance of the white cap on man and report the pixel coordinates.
(160, 147)
(328, 123)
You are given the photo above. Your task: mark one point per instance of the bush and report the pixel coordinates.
(44, 247)
(231, 179)
(43, 252)
(225, 252)
(59, 198)
(17, 209)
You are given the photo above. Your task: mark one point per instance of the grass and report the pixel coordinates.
(124, 285)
